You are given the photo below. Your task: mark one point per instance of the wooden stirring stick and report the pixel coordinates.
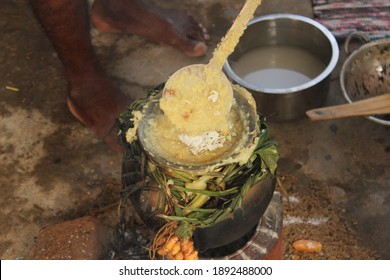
(220, 54)
(371, 106)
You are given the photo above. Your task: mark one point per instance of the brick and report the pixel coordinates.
(84, 238)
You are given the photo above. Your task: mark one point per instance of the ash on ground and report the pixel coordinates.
(131, 244)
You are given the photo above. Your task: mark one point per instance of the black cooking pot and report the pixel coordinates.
(147, 197)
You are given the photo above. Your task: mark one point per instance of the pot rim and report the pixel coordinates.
(323, 75)
(346, 64)
(251, 138)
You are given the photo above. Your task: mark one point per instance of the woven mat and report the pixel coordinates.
(344, 17)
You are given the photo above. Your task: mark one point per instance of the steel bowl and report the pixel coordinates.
(366, 72)
(287, 103)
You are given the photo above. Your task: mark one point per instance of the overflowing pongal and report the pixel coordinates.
(163, 139)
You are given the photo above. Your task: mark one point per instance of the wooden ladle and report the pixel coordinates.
(200, 72)
(371, 106)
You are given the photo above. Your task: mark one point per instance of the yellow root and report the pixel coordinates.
(168, 245)
(176, 249)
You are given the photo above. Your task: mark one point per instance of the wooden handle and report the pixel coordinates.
(371, 106)
(232, 37)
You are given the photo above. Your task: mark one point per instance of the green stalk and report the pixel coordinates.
(208, 193)
(197, 202)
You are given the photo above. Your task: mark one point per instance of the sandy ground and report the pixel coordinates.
(52, 168)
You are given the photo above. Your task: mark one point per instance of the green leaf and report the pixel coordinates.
(270, 157)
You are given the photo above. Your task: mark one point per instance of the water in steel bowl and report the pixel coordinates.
(278, 67)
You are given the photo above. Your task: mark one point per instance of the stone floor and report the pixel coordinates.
(52, 168)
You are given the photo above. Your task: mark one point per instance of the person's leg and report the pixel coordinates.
(167, 27)
(92, 98)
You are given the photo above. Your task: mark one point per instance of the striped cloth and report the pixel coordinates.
(344, 17)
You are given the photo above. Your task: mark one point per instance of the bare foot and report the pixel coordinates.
(166, 27)
(97, 104)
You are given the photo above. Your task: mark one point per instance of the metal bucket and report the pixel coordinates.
(284, 104)
(366, 72)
